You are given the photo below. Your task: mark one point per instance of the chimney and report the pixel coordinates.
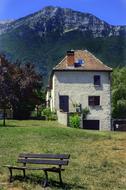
(70, 58)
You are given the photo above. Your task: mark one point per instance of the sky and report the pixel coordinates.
(111, 11)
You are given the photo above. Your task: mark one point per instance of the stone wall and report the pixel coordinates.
(62, 117)
(78, 86)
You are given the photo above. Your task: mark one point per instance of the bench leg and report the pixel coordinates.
(60, 178)
(10, 179)
(46, 179)
(24, 173)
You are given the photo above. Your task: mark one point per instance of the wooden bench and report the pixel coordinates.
(53, 162)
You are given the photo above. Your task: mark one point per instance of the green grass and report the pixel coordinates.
(98, 159)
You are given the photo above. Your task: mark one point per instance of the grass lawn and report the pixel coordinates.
(98, 159)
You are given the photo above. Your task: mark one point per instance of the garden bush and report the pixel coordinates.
(74, 121)
(49, 115)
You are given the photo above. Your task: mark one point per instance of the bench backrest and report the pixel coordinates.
(49, 159)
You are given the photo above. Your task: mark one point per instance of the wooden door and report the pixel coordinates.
(64, 103)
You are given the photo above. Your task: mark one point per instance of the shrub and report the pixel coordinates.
(85, 112)
(53, 116)
(75, 121)
(49, 115)
(47, 112)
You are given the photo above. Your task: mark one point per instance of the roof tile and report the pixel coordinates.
(91, 63)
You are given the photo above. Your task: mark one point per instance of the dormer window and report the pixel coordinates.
(79, 62)
(97, 80)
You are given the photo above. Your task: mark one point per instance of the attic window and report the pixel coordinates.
(79, 62)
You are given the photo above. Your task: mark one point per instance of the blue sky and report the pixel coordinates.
(112, 11)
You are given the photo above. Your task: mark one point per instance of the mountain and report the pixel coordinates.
(55, 19)
(4, 25)
(44, 37)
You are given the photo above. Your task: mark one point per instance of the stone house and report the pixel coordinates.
(82, 80)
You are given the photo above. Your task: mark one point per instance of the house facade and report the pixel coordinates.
(82, 81)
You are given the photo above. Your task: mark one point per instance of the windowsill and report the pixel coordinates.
(94, 106)
(97, 85)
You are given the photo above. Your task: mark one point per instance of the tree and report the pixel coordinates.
(27, 83)
(18, 87)
(6, 85)
(119, 102)
(119, 93)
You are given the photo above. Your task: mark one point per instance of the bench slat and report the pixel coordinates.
(49, 162)
(15, 167)
(33, 168)
(53, 156)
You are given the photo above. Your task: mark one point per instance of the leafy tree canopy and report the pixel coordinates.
(18, 86)
(119, 93)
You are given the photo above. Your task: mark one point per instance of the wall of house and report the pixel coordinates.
(48, 94)
(78, 86)
(53, 95)
(62, 118)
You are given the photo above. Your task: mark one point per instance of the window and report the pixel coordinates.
(79, 62)
(97, 80)
(91, 124)
(94, 100)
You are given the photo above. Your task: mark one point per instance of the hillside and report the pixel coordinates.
(44, 37)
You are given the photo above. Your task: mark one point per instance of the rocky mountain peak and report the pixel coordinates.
(62, 20)
(50, 9)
